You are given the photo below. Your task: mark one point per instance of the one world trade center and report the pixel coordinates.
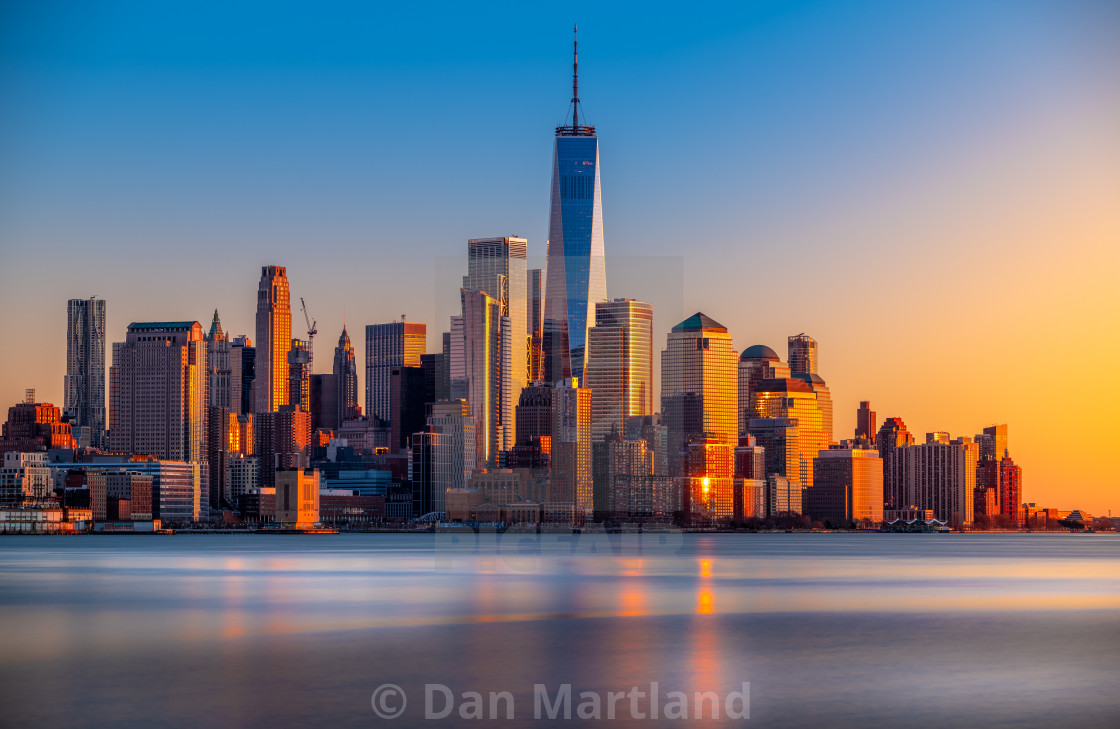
(577, 272)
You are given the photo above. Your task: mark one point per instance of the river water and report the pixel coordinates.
(826, 630)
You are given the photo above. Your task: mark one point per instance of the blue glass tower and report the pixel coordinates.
(577, 272)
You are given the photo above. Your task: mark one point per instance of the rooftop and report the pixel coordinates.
(699, 322)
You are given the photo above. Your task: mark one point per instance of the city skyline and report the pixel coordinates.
(863, 353)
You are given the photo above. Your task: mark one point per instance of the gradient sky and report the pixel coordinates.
(931, 190)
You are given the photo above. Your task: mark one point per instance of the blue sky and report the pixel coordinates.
(900, 180)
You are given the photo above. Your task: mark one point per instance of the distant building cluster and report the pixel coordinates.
(538, 406)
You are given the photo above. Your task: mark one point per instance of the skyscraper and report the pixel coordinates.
(84, 393)
(476, 372)
(396, 344)
(535, 322)
(157, 391)
(756, 363)
(243, 371)
(577, 271)
(619, 364)
(937, 475)
(346, 378)
(698, 382)
(572, 477)
(892, 436)
(802, 355)
(865, 421)
(498, 267)
(274, 339)
(847, 487)
(218, 365)
(299, 375)
(794, 399)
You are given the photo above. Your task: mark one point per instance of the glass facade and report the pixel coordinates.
(576, 276)
(620, 364)
(85, 367)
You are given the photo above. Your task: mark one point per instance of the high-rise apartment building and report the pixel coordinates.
(157, 392)
(577, 271)
(993, 443)
(619, 364)
(346, 379)
(802, 355)
(939, 476)
(84, 392)
(892, 436)
(1011, 491)
(698, 382)
(756, 363)
(397, 344)
(274, 339)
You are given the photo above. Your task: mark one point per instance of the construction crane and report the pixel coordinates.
(311, 332)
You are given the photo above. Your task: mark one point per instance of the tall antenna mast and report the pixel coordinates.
(575, 75)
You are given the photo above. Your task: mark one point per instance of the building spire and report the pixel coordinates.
(575, 75)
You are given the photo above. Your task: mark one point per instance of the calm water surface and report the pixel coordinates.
(832, 630)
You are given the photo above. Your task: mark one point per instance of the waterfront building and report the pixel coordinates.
(283, 440)
(708, 483)
(939, 475)
(297, 498)
(84, 386)
(619, 364)
(892, 436)
(804, 402)
(25, 479)
(274, 340)
(33, 426)
(698, 383)
(847, 487)
(396, 344)
(179, 493)
(1011, 491)
(621, 472)
(576, 271)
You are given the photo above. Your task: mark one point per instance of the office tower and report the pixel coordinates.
(299, 375)
(756, 363)
(621, 472)
(397, 344)
(993, 443)
(535, 322)
(443, 457)
(219, 366)
(865, 421)
(409, 396)
(324, 402)
(297, 498)
(847, 487)
(274, 340)
(120, 495)
(698, 382)
(219, 435)
(346, 379)
(780, 440)
(937, 475)
(577, 271)
(33, 426)
(497, 266)
(708, 483)
(795, 399)
(892, 436)
(572, 479)
(619, 364)
(157, 392)
(84, 394)
(783, 496)
(534, 413)
(242, 372)
(478, 360)
(802, 355)
(824, 402)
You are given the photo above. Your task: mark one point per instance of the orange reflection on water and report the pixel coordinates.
(632, 599)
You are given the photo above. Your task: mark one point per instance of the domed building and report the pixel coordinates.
(757, 363)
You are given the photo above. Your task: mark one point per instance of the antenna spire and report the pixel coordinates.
(575, 75)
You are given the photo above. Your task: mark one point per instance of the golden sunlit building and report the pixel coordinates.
(297, 497)
(619, 364)
(756, 363)
(797, 402)
(572, 477)
(939, 476)
(698, 384)
(274, 339)
(847, 487)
